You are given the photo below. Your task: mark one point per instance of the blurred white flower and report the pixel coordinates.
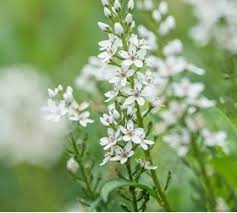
(217, 20)
(24, 135)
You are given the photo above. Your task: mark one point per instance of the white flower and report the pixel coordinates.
(173, 47)
(72, 165)
(108, 156)
(174, 112)
(187, 89)
(109, 47)
(149, 37)
(54, 111)
(138, 43)
(121, 76)
(118, 29)
(146, 164)
(111, 140)
(215, 138)
(113, 93)
(25, 136)
(133, 56)
(111, 118)
(136, 94)
(142, 141)
(195, 122)
(179, 141)
(68, 95)
(167, 25)
(131, 133)
(77, 113)
(122, 154)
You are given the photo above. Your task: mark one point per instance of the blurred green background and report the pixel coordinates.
(58, 36)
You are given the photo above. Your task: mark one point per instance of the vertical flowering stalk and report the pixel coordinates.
(62, 107)
(131, 97)
(181, 124)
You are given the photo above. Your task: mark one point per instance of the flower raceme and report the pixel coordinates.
(62, 104)
(125, 54)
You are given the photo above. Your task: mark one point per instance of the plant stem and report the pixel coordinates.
(165, 203)
(161, 194)
(206, 180)
(82, 169)
(132, 189)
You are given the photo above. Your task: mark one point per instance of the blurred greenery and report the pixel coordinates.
(58, 36)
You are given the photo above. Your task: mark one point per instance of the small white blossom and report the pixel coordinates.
(72, 165)
(108, 156)
(121, 76)
(179, 141)
(122, 154)
(54, 111)
(133, 56)
(111, 140)
(131, 133)
(109, 47)
(167, 25)
(173, 47)
(215, 138)
(135, 94)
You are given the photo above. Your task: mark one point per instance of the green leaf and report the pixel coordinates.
(114, 184)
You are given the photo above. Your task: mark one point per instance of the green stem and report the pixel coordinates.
(206, 180)
(132, 189)
(82, 169)
(165, 203)
(161, 194)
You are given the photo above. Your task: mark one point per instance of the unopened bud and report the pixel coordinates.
(118, 29)
(72, 165)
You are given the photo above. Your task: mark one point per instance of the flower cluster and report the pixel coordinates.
(181, 117)
(63, 104)
(216, 20)
(132, 84)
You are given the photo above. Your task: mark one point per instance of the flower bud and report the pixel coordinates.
(118, 29)
(129, 19)
(72, 165)
(131, 5)
(117, 5)
(105, 2)
(104, 27)
(107, 12)
(60, 87)
(163, 8)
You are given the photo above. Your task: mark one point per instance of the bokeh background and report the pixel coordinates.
(56, 37)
